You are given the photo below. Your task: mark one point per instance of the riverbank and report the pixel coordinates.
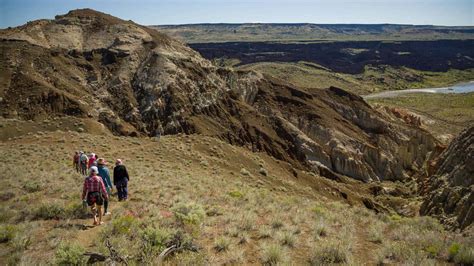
(465, 87)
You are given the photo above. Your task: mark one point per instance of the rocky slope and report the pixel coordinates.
(451, 186)
(139, 82)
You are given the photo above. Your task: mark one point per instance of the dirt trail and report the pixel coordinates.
(363, 249)
(88, 235)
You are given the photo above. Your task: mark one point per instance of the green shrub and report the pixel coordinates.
(77, 211)
(31, 187)
(154, 241)
(189, 213)
(124, 224)
(319, 210)
(222, 244)
(453, 250)
(156, 237)
(50, 211)
(7, 233)
(273, 254)
(375, 234)
(395, 217)
(70, 254)
(432, 250)
(236, 194)
(465, 256)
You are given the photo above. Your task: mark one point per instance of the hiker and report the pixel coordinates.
(83, 162)
(75, 161)
(121, 179)
(105, 174)
(91, 161)
(96, 194)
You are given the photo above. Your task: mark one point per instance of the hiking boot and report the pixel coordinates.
(107, 213)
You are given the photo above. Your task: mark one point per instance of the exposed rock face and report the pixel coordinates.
(137, 81)
(451, 187)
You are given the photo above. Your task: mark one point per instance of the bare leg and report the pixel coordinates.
(94, 213)
(99, 209)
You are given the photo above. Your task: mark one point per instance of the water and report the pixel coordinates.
(458, 88)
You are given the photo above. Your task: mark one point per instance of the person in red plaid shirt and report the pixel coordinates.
(94, 188)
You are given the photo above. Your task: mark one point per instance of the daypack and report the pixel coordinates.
(84, 159)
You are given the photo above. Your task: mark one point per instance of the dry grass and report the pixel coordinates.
(226, 217)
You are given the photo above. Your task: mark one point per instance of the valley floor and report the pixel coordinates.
(229, 205)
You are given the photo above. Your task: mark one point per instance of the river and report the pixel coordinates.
(465, 87)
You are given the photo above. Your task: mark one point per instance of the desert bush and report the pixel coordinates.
(375, 234)
(318, 210)
(154, 240)
(328, 253)
(453, 250)
(156, 237)
(123, 225)
(31, 187)
(424, 223)
(190, 213)
(7, 233)
(247, 221)
(263, 171)
(21, 241)
(320, 229)
(214, 211)
(222, 244)
(402, 252)
(233, 231)
(244, 238)
(465, 256)
(276, 222)
(273, 254)
(265, 232)
(77, 211)
(50, 211)
(287, 239)
(236, 194)
(70, 254)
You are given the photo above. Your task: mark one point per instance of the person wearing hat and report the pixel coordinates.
(121, 179)
(91, 161)
(83, 160)
(75, 161)
(94, 194)
(105, 174)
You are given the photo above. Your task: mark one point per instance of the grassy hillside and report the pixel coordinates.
(446, 115)
(373, 79)
(195, 33)
(221, 204)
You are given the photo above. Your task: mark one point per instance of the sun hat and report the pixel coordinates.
(94, 169)
(118, 162)
(101, 161)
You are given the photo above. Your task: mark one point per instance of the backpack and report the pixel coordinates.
(84, 159)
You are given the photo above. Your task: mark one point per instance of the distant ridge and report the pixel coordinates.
(224, 32)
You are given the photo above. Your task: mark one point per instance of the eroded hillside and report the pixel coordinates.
(139, 82)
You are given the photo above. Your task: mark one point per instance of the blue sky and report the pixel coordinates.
(149, 12)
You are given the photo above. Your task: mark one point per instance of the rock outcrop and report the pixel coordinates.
(451, 188)
(138, 82)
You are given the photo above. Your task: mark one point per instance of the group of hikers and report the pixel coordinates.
(98, 187)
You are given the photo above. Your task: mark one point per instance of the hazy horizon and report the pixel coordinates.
(166, 12)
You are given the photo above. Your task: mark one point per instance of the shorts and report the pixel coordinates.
(94, 197)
